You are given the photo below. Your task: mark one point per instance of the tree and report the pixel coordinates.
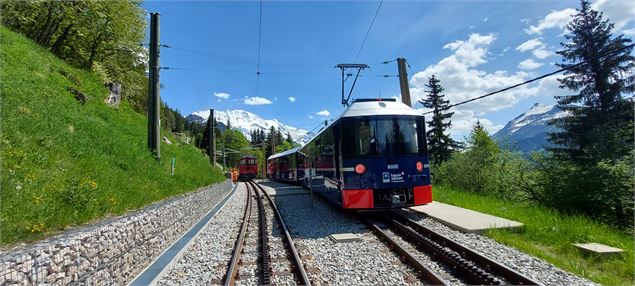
(440, 144)
(599, 123)
(596, 141)
(289, 139)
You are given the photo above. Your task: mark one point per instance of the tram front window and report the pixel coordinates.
(382, 136)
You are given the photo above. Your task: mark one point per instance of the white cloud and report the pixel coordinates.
(485, 19)
(530, 45)
(291, 98)
(257, 101)
(462, 79)
(555, 19)
(620, 12)
(529, 64)
(629, 32)
(324, 113)
(310, 116)
(222, 95)
(542, 53)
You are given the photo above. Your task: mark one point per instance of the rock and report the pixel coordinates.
(80, 96)
(167, 141)
(114, 98)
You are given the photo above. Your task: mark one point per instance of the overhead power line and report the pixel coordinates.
(259, 42)
(208, 55)
(367, 32)
(534, 79)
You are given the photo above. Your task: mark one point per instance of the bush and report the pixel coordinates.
(603, 190)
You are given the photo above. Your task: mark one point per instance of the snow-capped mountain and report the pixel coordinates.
(246, 121)
(529, 131)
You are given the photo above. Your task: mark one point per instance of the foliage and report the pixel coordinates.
(600, 121)
(440, 144)
(548, 234)
(486, 169)
(603, 191)
(100, 35)
(64, 163)
(588, 171)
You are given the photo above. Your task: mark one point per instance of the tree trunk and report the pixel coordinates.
(41, 30)
(61, 41)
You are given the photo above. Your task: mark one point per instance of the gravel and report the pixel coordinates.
(206, 258)
(311, 222)
(530, 266)
(365, 262)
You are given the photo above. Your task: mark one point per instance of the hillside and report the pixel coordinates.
(65, 163)
(246, 121)
(529, 131)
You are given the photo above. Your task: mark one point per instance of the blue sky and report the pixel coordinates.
(473, 47)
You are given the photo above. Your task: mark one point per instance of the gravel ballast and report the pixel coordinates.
(530, 266)
(205, 260)
(364, 262)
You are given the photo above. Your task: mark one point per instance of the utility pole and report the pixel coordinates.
(212, 138)
(264, 162)
(403, 81)
(154, 101)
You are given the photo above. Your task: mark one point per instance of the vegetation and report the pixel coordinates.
(65, 163)
(440, 144)
(103, 36)
(597, 134)
(549, 234)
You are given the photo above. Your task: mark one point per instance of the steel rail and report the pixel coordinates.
(299, 266)
(423, 271)
(469, 270)
(492, 266)
(265, 256)
(232, 269)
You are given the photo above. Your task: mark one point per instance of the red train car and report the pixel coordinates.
(247, 168)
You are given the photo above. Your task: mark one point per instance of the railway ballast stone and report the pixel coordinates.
(112, 251)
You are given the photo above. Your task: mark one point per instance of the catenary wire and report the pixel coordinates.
(259, 44)
(368, 31)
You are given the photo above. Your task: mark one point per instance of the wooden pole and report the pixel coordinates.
(403, 81)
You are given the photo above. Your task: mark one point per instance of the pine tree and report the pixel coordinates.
(289, 139)
(596, 142)
(600, 121)
(440, 144)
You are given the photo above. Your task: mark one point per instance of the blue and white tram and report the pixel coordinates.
(374, 156)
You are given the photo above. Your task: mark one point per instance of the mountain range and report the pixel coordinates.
(246, 121)
(529, 131)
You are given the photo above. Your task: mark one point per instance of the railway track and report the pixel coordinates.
(259, 256)
(463, 263)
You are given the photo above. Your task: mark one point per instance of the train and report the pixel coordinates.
(373, 156)
(247, 168)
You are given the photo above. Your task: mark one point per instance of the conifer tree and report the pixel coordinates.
(600, 121)
(440, 144)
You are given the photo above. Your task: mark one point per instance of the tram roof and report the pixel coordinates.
(292, 150)
(369, 107)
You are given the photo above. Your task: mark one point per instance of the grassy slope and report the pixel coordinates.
(549, 235)
(64, 163)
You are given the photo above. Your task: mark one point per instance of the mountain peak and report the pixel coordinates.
(246, 121)
(529, 131)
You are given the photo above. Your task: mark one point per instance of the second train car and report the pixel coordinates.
(373, 156)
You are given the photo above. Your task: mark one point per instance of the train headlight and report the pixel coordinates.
(360, 169)
(419, 166)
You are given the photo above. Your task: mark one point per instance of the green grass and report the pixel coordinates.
(64, 163)
(548, 234)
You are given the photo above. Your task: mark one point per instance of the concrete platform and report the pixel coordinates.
(285, 191)
(597, 248)
(463, 219)
(344, 237)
